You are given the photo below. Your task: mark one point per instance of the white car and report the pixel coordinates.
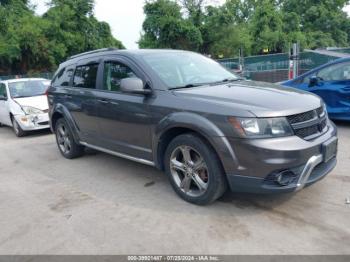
(24, 105)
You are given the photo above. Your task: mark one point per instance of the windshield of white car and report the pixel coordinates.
(31, 88)
(186, 69)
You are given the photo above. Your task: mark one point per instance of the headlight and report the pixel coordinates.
(261, 127)
(28, 110)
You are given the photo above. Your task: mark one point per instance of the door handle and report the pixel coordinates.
(102, 101)
(67, 97)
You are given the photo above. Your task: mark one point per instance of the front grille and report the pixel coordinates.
(302, 117)
(310, 124)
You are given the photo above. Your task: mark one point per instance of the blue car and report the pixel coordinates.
(332, 83)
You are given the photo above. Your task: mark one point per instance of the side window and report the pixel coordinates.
(3, 90)
(63, 77)
(114, 72)
(85, 76)
(337, 72)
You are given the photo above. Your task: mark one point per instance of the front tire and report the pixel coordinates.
(194, 170)
(17, 129)
(65, 141)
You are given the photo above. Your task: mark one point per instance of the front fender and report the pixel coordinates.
(202, 126)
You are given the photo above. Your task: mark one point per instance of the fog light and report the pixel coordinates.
(285, 178)
(24, 119)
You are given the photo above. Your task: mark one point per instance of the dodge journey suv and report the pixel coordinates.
(183, 113)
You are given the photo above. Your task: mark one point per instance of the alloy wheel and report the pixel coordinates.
(189, 171)
(63, 139)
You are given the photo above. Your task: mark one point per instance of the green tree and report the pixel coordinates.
(29, 43)
(267, 28)
(323, 23)
(164, 27)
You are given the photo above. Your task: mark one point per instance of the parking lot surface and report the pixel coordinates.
(101, 204)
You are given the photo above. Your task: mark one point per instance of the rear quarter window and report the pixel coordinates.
(63, 77)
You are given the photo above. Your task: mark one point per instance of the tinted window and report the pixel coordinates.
(85, 76)
(335, 72)
(114, 72)
(27, 88)
(3, 90)
(63, 77)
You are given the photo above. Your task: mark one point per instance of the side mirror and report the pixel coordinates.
(133, 85)
(3, 98)
(314, 81)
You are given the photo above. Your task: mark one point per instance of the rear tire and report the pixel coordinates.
(194, 170)
(17, 128)
(65, 141)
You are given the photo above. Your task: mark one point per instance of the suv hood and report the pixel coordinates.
(39, 102)
(259, 98)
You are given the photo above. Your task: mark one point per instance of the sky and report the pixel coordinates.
(124, 16)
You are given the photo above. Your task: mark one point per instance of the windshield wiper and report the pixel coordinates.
(226, 80)
(187, 86)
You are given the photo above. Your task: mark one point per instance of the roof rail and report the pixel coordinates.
(93, 52)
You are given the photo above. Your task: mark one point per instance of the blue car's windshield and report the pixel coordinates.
(186, 69)
(27, 88)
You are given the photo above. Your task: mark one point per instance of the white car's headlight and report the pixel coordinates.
(262, 127)
(28, 110)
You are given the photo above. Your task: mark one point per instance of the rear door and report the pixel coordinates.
(4, 110)
(124, 117)
(77, 92)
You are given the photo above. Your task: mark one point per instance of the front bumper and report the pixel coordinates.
(33, 122)
(262, 161)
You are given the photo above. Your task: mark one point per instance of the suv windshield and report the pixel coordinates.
(185, 69)
(27, 88)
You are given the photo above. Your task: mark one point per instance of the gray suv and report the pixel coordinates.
(183, 113)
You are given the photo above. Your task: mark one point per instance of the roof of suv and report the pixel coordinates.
(111, 51)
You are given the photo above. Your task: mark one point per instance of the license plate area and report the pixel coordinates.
(330, 149)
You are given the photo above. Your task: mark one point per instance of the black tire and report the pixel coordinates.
(17, 129)
(65, 141)
(214, 181)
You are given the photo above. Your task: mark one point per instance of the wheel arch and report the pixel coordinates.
(180, 123)
(61, 112)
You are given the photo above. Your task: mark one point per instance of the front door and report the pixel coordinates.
(124, 118)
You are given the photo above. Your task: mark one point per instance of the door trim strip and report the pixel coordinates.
(136, 159)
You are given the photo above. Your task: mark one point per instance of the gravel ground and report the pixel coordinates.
(100, 204)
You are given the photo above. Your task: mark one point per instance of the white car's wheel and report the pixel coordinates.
(17, 129)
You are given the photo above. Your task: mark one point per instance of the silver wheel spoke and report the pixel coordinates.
(61, 131)
(186, 183)
(199, 165)
(199, 182)
(185, 150)
(177, 165)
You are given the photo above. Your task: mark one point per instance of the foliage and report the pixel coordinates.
(30, 43)
(165, 27)
(256, 26)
